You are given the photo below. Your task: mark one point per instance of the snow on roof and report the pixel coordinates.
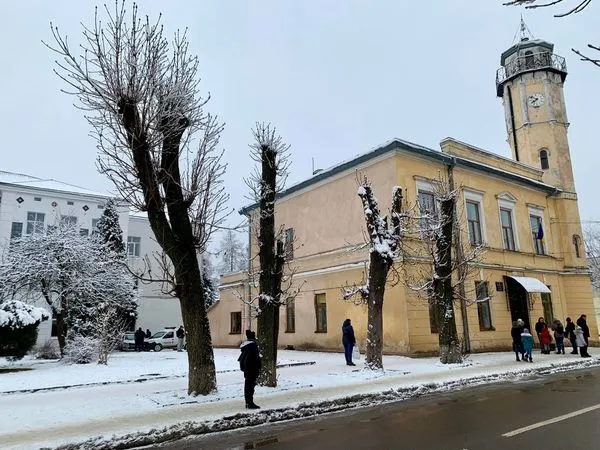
(49, 184)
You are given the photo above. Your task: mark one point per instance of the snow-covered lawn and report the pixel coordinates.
(53, 403)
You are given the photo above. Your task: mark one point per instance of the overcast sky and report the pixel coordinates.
(337, 78)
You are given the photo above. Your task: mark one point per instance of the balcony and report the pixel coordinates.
(530, 63)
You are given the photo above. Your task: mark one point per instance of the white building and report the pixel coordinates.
(28, 203)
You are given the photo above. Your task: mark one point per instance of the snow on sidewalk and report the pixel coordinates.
(50, 418)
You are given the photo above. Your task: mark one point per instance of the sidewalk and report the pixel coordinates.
(155, 410)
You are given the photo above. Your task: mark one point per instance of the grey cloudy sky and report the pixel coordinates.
(337, 78)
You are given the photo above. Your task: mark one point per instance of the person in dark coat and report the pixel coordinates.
(139, 336)
(539, 326)
(515, 332)
(148, 334)
(559, 337)
(570, 334)
(348, 340)
(180, 338)
(582, 322)
(250, 364)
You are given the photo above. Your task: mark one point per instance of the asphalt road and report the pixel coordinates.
(524, 415)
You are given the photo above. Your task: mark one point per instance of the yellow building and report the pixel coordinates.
(507, 202)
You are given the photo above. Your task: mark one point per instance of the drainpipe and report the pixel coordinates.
(458, 251)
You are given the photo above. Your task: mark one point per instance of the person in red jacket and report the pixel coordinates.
(545, 339)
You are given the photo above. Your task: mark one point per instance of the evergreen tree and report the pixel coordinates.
(108, 230)
(211, 288)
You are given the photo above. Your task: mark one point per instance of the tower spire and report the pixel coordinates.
(525, 32)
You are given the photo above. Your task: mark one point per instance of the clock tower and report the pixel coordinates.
(530, 83)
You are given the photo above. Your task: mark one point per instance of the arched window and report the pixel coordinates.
(529, 63)
(544, 159)
(577, 245)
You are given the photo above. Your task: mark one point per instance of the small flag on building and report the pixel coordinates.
(540, 233)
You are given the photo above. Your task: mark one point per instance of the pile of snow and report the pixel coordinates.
(16, 314)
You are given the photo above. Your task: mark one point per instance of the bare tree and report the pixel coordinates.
(435, 265)
(271, 155)
(591, 237)
(383, 243)
(159, 148)
(109, 328)
(233, 254)
(574, 8)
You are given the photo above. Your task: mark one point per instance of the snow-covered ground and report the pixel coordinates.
(137, 393)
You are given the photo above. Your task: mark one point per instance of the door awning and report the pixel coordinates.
(532, 284)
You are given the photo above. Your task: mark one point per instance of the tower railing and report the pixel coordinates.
(531, 62)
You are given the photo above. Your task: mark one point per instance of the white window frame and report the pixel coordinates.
(136, 243)
(476, 197)
(506, 203)
(538, 211)
(428, 187)
(38, 225)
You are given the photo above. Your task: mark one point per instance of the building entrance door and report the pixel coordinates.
(517, 300)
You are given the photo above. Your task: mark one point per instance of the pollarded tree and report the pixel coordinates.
(435, 264)
(271, 155)
(575, 7)
(68, 271)
(383, 243)
(159, 148)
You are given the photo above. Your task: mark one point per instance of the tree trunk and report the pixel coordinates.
(202, 376)
(271, 268)
(450, 351)
(61, 332)
(378, 271)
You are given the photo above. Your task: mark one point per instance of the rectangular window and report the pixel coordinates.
(84, 232)
(35, 222)
(547, 305)
(289, 243)
(70, 203)
(133, 245)
(538, 244)
(434, 315)
(37, 199)
(290, 316)
(236, 323)
(508, 235)
(321, 313)
(68, 221)
(16, 230)
(474, 220)
(426, 208)
(483, 306)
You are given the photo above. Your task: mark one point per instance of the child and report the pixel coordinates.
(527, 343)
(559, 337)
(545, 339)
(579, 337)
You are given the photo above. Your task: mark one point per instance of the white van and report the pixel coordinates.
(164, 338)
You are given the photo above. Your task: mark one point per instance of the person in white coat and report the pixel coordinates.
(581, 343)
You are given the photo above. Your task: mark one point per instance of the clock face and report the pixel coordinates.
(535, 100)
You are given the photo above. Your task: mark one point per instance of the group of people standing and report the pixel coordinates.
(578, 334)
